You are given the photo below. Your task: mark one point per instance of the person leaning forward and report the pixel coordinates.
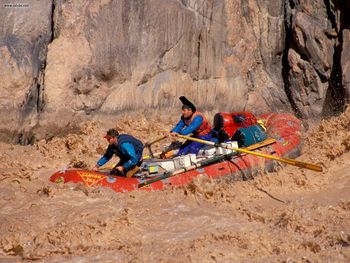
(193, 122)
(127, 148)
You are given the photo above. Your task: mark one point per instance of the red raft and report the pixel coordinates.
(284, 129)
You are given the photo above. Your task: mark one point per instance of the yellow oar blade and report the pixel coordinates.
(300, 164)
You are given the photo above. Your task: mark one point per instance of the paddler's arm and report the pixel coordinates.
(179, 126)
(194, 125)
(105, 158)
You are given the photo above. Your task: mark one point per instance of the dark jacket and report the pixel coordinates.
(128, 149)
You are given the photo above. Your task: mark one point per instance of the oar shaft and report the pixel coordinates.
(156, 140)
(164, 176)
(300, 164)
(148, 145)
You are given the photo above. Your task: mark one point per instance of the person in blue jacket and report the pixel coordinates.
(127, 148)
(191, 122)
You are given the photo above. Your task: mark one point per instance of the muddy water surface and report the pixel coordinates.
(292, 215)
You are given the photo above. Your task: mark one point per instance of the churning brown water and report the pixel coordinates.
(292, 215)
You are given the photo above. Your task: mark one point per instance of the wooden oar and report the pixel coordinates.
(148, 145)
(297, 163)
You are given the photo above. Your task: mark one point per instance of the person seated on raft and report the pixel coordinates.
(127, 148)
(191, 121)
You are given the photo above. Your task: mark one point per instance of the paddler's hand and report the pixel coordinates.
(95, 168)
(118, 170)
(173, 136)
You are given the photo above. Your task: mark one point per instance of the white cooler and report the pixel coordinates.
(185, 161)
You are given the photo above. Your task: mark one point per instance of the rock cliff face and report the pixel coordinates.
(66, 61)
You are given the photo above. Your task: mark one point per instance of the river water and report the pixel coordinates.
(292, 215)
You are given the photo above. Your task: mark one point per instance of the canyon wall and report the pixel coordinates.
(62, 62)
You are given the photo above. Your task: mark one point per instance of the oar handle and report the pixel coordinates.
(297, 163)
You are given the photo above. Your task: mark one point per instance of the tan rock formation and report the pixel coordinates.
(66, 61)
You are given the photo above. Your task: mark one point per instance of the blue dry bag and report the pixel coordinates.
(250, 135)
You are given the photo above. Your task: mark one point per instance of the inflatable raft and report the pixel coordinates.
(284, 140)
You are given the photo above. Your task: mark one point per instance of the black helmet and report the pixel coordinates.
(187, 104)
